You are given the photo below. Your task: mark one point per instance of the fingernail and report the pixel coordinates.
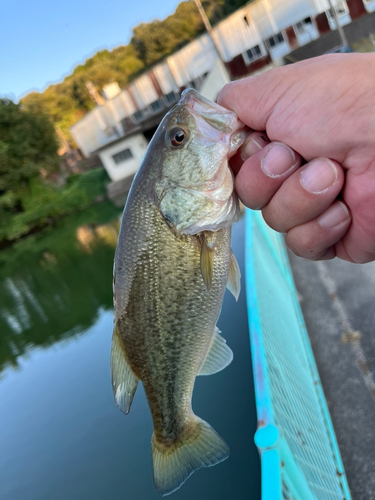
(319, 175)
(334, 216)
(277, 160)
(252, 146)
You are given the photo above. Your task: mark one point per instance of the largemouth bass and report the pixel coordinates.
(173, 262)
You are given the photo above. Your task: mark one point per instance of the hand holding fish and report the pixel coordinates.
(321, 110)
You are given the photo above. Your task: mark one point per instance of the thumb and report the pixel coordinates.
(253, 99)
(284, 90)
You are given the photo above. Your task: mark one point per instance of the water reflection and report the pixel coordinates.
(61, 435)
(53, 285)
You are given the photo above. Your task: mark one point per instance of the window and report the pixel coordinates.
(138, 115)
(303, 26)
(254, 53)
(341, 10)
(122, 156)
(171, 97)
(155, 106)
(275, 40)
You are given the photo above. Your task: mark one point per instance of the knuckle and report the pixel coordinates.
(271, 218)
(302, 245)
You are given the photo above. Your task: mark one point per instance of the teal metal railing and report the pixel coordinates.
(300, 458)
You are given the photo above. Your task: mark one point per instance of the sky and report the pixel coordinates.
(41, 41)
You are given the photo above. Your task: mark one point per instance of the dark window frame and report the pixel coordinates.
(339, 13)
(138, 116)
(304, 23)
(275, 40)
(122, 156)
(254, 53)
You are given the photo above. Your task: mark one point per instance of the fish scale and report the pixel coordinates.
(174, 283)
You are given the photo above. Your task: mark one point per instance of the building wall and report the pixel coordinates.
(143, 91)
(137, 145)
(280, 50)
(237, 34)
(194, 60)
(292, 37)
(165, 78)
(96, 129)
(215, 81)
(369, 6)
(321, 22)
(356, 8)
(248, 39)
(311, 33)
(355, 31)
(287, 12)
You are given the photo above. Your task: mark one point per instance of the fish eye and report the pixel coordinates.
(177, 137)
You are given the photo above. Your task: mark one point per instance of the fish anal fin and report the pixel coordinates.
(218, 357)
(124, 381)
(174, 464)
(234, 277)
(207, 263)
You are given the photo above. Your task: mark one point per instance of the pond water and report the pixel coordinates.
(61, 436)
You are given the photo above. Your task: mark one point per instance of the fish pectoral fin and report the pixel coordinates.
(218, 357)
(207, 263)
(173, 464)
(124, 382)
(234, 277)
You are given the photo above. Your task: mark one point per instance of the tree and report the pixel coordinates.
(69, 100)
(28, 143)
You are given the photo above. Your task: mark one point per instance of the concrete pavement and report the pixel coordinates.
(338, 302)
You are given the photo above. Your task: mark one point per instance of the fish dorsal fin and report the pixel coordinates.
(207, 263)
(218, 357)
(234, 277)
(124, 382)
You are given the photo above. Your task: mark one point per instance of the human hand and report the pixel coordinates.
(321, 110)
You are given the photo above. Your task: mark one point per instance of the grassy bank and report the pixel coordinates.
(45, 203)
(364, 45)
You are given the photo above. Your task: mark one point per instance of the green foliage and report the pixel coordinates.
(155, 40)
(28, 145)
(52, 272)
(365, 45)
(68, 101)
(44, 203)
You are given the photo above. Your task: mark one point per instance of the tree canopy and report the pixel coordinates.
(28, 144)
(68, 101)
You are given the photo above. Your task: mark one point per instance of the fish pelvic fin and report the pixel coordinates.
(218, 357)
(234, 277)
(124, 381)
(174, 464)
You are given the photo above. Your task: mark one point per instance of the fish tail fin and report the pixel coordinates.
(174, 464)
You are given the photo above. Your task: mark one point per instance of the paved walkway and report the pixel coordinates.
(338, 302)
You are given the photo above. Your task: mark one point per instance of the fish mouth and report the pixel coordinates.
(221, 119)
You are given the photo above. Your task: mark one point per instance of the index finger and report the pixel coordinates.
(255, 98)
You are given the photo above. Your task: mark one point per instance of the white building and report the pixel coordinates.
(254, 36)
(122, 157)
